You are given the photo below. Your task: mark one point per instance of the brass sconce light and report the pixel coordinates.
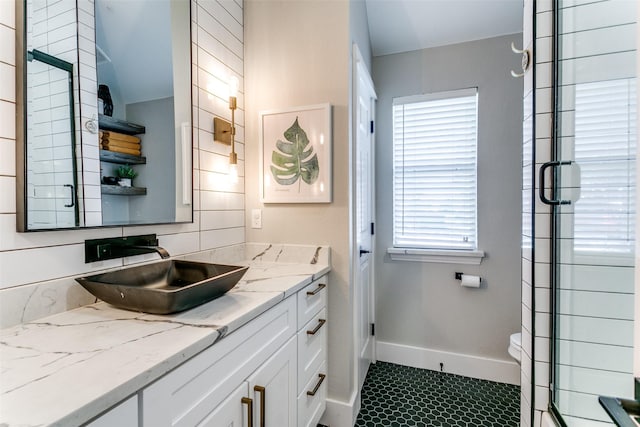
(225, 132)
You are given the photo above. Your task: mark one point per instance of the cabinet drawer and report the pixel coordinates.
(311, 408)
(312, 347)
(189, 393)
(311, 299)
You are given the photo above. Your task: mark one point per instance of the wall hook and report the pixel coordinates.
(525, 60)
(92, 124)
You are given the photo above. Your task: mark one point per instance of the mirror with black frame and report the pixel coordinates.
(106, 135)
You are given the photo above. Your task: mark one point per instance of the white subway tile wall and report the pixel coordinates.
(52, 258)
(90, 200)
(529, 208)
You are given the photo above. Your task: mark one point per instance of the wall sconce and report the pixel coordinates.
(225, 132)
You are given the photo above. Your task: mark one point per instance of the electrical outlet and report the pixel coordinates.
(256, 218)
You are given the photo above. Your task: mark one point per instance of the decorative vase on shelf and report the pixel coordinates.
(105, 95)
(124, 182)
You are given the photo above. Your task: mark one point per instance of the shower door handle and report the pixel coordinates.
(72, 197)
(543, 169)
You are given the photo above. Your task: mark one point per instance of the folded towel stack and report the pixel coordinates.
(120, 143)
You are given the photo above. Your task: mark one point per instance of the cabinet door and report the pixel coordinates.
(273, 389)
(191, 392)
(124, 414)
(232, 412)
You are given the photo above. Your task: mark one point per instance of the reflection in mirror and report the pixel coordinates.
(50, 58)
(51, 172)
(142, 112)
(127, 150)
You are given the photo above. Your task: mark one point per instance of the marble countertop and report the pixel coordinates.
(67, 368)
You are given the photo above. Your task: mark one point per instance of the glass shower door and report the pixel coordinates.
(594, 222)
(51, 172)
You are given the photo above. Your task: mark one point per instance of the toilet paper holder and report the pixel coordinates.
(458, 276)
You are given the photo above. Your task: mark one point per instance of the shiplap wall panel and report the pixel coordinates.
(588, 15)
(614, 332)
(589, 278)
(596, 356)
(581, 406)
(535, 367)
(528, 211)
(90, 201)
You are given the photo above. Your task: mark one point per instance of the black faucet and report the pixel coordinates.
(161, 251)
(120, 247)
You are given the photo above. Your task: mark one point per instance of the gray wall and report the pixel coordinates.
(159, 174)
(421, 304)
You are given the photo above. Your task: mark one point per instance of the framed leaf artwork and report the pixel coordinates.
(296, 155)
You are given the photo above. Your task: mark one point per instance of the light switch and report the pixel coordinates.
(256, 218)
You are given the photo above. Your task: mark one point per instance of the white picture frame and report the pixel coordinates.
(295, 155)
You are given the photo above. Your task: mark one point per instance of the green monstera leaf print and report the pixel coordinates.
(294, 159)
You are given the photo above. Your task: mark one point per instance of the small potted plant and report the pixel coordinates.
(125, 174)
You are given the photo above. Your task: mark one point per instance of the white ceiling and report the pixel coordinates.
(404, 25)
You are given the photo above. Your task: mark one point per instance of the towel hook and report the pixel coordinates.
(525, 60)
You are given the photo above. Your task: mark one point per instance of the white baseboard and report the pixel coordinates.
(340, 413)
(502, 371)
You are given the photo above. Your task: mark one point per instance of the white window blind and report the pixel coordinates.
(605, 150)
(434, 170)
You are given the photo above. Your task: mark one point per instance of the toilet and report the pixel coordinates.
(515, 344)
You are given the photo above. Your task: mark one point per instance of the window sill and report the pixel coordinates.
(434, 255)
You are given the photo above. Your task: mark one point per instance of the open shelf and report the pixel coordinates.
(117, 125)
(121, 158)
(117, 190)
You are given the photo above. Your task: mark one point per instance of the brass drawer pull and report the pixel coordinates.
(263, 393)
(249, 402)
(317, 328)
(320, 287)
(318, 384)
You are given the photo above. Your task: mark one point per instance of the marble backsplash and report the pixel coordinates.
(31, 302)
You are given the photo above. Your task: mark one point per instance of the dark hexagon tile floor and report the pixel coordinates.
(399, 396)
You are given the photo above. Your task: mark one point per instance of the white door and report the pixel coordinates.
(273, 389)
(364, 106)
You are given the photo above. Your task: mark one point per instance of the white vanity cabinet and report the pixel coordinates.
(269, 373)
(202, 389)
(267, 398)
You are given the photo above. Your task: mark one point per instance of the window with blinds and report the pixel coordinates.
(434, 170)
(605, 150)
